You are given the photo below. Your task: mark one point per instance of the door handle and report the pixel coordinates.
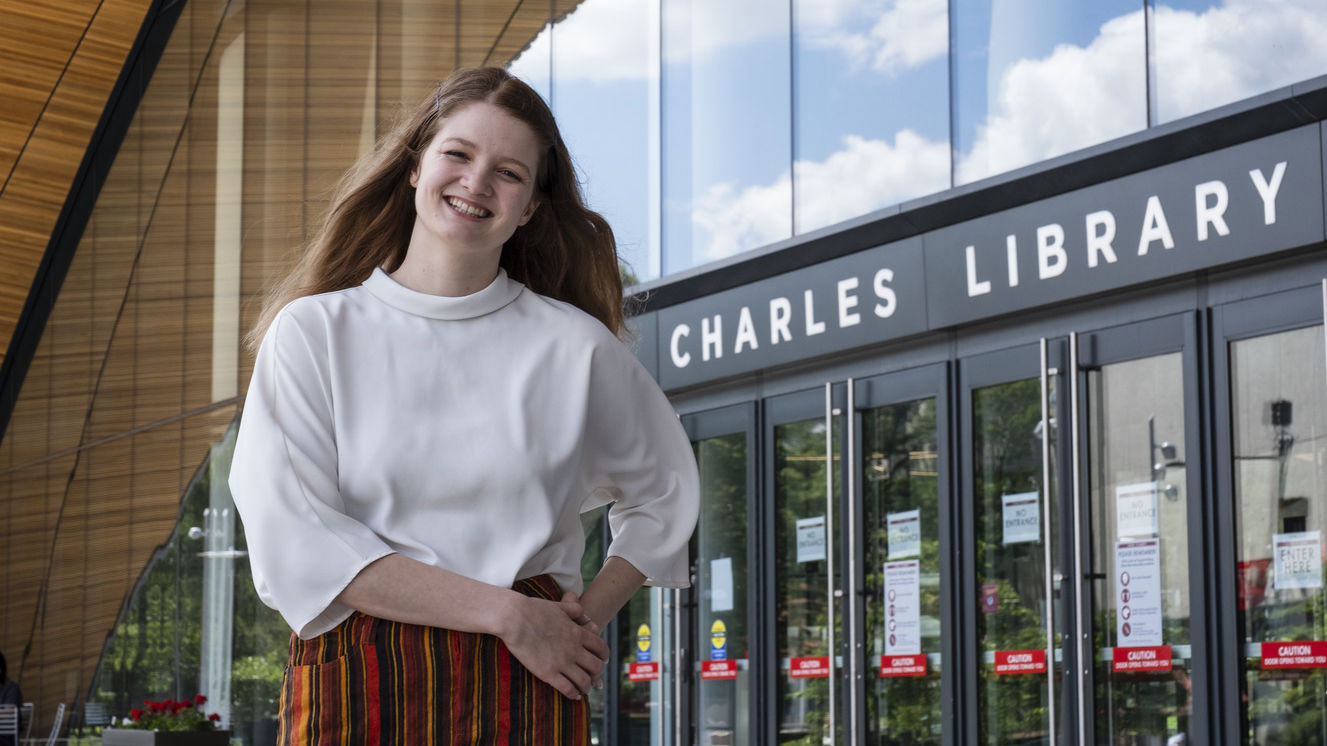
(1046, 535)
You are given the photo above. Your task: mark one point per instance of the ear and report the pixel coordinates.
(414, 177)
(529, 211)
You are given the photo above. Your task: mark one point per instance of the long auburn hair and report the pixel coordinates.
(565, 251)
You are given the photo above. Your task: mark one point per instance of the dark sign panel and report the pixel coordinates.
(848, 302)
(1256, 198)
(1245, 201)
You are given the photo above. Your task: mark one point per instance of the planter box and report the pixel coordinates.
(131, 737)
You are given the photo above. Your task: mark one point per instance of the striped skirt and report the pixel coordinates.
(372, 681)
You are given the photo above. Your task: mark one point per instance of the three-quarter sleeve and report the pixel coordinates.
(640, 457)
(303, 547)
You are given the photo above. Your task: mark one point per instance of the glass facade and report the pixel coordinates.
(701, 130)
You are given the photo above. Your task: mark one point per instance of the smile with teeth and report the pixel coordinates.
(467, 209)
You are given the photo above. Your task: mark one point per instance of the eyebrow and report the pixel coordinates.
(468, 144)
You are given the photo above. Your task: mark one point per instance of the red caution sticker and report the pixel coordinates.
(712, 670)
(642, 672)
(1143, 658)
(1312, 654)
(809, 668)
(902, 665)
(1020, 661)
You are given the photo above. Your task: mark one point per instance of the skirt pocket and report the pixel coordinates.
(333, 703)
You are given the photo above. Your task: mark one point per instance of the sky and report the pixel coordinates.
(778, 121)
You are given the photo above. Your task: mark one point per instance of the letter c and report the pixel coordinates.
(680, 359)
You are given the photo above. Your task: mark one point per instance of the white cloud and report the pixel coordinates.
(862, 176)
(1235, 51)
(902, 34)
(1075, 97)
(1081, 96)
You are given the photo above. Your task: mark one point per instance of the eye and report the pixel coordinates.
(510, 174)
(455, 154)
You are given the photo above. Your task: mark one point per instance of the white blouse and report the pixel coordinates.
(467, 433)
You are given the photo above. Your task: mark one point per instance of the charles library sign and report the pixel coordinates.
(1248, 200)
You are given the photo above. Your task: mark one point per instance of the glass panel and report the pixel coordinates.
(801, 582)
(857, 150)
(1140, 550)
(594, 526)
(1038, 78)
(606, 80)
(723, 644)
(1011, 564)
(902, 574)
(644, 639)
(727, 137)
(1279, 404)
(1208, 53)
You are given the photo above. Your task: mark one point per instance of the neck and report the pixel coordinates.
(439, 271)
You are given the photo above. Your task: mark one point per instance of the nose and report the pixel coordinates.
(476, 180)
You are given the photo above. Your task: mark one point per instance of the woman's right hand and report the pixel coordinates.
(547, 639)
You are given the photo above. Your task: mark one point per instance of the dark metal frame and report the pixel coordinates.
(1243, 319)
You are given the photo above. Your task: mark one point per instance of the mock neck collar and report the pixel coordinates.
(499, 293)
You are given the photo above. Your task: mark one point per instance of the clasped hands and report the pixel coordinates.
(558, 642)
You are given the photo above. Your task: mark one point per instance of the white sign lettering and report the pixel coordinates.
(905, 534)
(1297, 560)
(903, 608)
(1022, 519)
(1138, 617)
(1136, 510)
(811, 539)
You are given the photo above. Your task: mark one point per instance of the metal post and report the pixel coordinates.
(829, 546)
(1083, 625)
(854, 634)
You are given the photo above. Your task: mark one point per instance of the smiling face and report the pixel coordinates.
(474, 185)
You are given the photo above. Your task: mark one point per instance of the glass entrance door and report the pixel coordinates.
(1272, 491)
(1013, 591)
(803, 442)
(900, 470)
(1133, 540)
(721, 651)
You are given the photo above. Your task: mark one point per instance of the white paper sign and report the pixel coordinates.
(810, 539)
(1022, 518)
(1138, 620)
(1136, 510)
(903, 608)
(721, 584)
(1297, 560)
(905, 534)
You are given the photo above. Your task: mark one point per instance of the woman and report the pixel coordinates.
(438, 393)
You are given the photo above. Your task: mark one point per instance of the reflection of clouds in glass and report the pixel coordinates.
(693, 30)
(604, 40)
(1075, 97)
(1080, 96)
(1243, 48)
(862, 176)
(888, 36)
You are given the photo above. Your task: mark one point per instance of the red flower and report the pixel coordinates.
(135, 714)
(214, 717)
(200, 700)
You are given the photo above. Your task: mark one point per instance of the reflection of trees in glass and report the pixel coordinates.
(899, 474)
(800, 588)
(1007, 460)
(154, 649)
(1280, 467)
(722, 533)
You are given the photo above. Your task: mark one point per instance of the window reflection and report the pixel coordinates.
(727, 135)
(605, 94)
(1207, 53)
(1035, 79)
(872, 118)
(1278, 411)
